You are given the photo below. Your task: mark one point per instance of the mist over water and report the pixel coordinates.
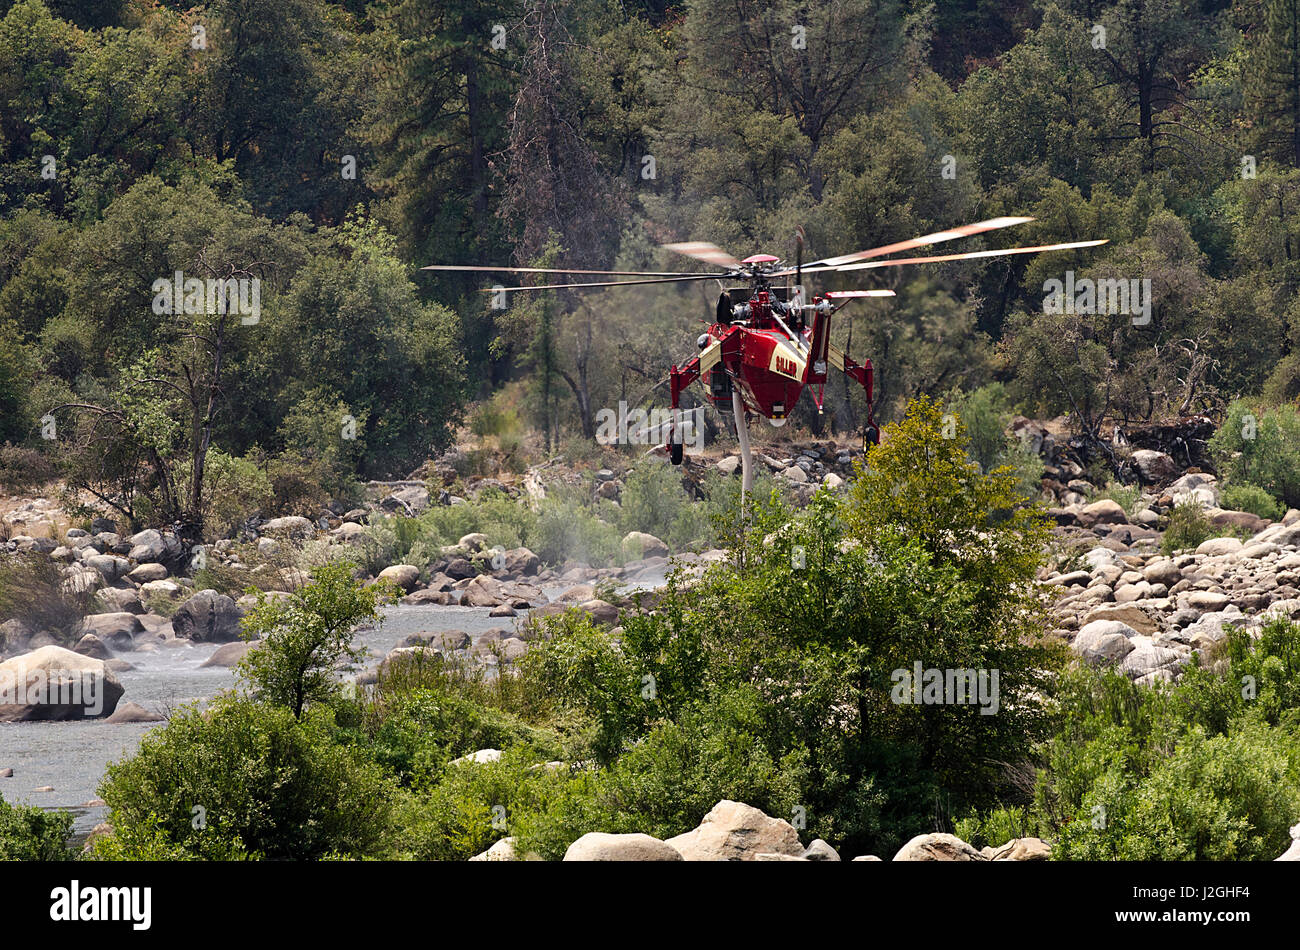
(71, 756)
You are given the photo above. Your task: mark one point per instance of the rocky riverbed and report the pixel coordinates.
(157, 642)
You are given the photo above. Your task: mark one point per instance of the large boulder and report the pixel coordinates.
(474, 542)
(151, 547)
(149, 572)
(132, 712)
(52, 683)
(1020, 849)
(1104, 511)
(294, 526)
(120, 599)
(601, 612)
(90, 645)
(228, 654)
(504, 850)
(110, 566)
(427, 596)
(482, 591)
(819, 850)
(521, 562)
(410, 500)
(938, 847)
(599, 846)
(403, 576)
(444, 641)
(481, 757)
(1104, 641)
(1196, 488)
(1154, 466)
(207, 617)
(638, 544)
(110, 627)
(1217, 547)
(734, 831)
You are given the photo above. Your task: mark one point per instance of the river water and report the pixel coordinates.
(71, 756)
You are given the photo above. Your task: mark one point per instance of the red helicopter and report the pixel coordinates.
(766, 343)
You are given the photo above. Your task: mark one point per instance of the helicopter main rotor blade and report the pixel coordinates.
(834, 294)
(938, 237)
(704, 251)
(969, 255)
(553, 270)
(609, 283)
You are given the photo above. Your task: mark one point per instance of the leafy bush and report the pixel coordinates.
(1188, 526)
(494, 418)
(234, 490)
(23, 469)
(995, 827)
(665, 783)
(568, 531)
(1227, 798)
(423, 730)
(1252, 498)
(28, 833)
(1261, 446)
(1201, 770)
(473, 805)
(985, 413)
(1128, 497)
(654, 501)
(244, 779)
(327, 438)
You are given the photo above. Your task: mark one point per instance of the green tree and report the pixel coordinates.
(1273, 81)
(304, 637)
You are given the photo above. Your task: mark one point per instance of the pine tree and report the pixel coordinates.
(1273, 82)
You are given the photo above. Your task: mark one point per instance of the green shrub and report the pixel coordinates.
(568, 531)
(1226, 798)
(666, 782)
(1127, 497)
(1261, 446)
(28, 833)
(244, 779)
(234, 489)
(494, 418)
(23, 469)
(654, 501)
(995, 827)
(1252, 498)
(472, 805)
(1205, 769)
(1188, 526)
(985, 413)
(425, 729)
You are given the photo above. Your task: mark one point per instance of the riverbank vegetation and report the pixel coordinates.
(771, 680)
